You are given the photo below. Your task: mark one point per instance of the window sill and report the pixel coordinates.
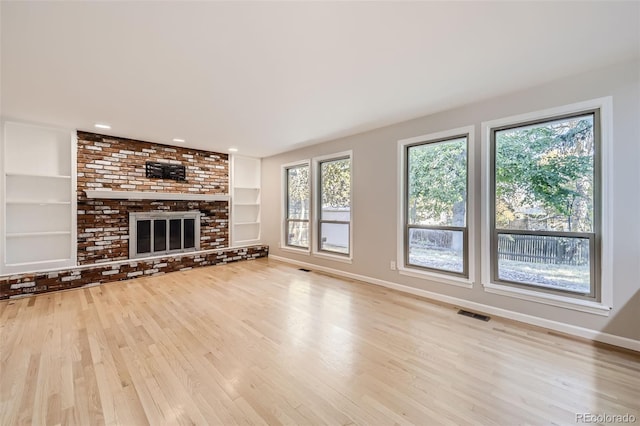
(295, 250)
(336, 257)
(549, 299)
(439, 278)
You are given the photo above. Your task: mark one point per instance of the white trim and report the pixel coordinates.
(316, 204)
(334, 257)
(549, 299)
(605, 105)
(74, 197)
(433, 275)
(295, 250)
(283, 206)
(245, 243)
(149, 195)
(232, 196)
(37, 175)
(573, 330)
(607, 195)
(3, 197)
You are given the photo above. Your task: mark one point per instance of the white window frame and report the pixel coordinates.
(401, 263)
(284, 213)
(134, 217)
(317, 204)
(603, 306)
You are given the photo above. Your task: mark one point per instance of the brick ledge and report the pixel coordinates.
(21, 285)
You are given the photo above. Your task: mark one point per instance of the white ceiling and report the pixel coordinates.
(267, 77)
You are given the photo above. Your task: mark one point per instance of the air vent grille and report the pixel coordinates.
(474, 315)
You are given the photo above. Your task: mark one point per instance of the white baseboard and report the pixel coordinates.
(573, 330)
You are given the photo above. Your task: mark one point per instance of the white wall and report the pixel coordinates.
(375, 197)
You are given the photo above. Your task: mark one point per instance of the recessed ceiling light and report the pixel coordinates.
(178, 140)
(233, 149)
(102, 126)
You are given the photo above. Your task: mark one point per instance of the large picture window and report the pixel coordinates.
(334, 206)
(297, 207)
(435, 231)
(545, 204)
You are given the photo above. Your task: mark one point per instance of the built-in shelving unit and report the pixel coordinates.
(245, 201)
(38, 205)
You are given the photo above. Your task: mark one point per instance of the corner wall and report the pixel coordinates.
(375, 197)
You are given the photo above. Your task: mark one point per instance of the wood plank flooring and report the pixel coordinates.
(261, 342)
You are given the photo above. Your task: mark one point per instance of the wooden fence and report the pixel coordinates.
(542, 249)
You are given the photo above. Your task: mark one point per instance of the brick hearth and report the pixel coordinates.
(42, 282)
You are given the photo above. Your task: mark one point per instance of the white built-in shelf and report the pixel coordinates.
(246, 196)
(62, 261)
(35, 234)
(240, 243)
(38, 168)
(35, 175)
(245, 203)
(41, 203)
(149, 195)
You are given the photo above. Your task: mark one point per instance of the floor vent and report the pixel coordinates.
(474, 315)
(304, 270)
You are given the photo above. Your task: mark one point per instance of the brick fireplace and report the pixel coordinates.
(109, 165)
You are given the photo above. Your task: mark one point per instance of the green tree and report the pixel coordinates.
(336, 187)
(298, 192)
(547, 171)
(336, 183)
(437, 189)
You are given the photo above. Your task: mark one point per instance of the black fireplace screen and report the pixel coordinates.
(164, 235)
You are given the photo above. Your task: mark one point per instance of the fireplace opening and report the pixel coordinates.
(156, 233)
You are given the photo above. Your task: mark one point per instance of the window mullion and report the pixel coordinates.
(182, 234)
(439, 227)
(566, 234)
(152, 231)
(168, 236)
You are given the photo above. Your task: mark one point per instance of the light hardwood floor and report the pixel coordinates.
(260, 342)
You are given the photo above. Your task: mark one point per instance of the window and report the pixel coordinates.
(435, 205)
(545, 206)
(157, 233)
(328, 184)
(297, 206)
(334, 205)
